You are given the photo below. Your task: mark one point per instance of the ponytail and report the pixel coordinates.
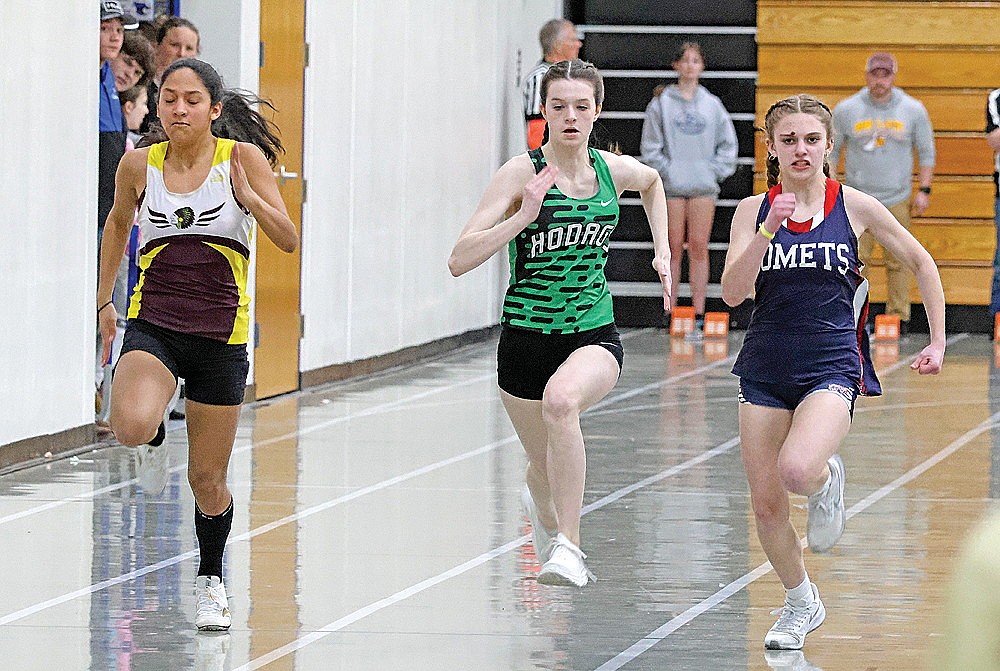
(772, 171)
(241, 122)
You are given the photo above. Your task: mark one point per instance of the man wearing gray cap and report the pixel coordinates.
(879, 127)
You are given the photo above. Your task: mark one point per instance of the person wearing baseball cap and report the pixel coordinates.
(882, 60)
(112, 9)
(114, 22)
(878, 128)
(111, 128)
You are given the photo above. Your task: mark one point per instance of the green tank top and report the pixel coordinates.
(557, 282)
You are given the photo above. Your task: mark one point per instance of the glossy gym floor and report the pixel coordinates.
(378, 527)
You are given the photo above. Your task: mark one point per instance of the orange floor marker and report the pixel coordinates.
(716, 324)
(996, 328)
(887, 327)
(682, 320)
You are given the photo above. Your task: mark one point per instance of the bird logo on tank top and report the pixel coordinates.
(183, 218)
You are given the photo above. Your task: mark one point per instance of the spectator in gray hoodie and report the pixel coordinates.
(689, 138)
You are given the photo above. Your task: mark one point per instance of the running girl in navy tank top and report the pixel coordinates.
(805, 356)
(199, 198)
(559, 352)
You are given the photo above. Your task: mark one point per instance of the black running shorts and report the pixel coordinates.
(527, 359)
(215, 373)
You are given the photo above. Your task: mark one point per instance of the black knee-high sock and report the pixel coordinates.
(212, 532)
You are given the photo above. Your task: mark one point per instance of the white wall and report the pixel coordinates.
(230, 38)
(48, 231)
(411, 106)
(407, 117)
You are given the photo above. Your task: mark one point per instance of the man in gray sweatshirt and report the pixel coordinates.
(993, 138)
(879, 127)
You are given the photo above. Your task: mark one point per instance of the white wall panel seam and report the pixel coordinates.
(352, 195)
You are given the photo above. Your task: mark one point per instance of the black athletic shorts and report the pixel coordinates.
(527, 359)
(215, 373)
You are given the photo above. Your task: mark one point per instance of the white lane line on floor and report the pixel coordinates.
(378, 409)
(406, 593)
(96, 587)
(423, 585)
(656, 636)
(384, 407)
(367, 412)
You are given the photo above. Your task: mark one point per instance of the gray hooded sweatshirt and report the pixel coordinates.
(691, 143)
(879, 139)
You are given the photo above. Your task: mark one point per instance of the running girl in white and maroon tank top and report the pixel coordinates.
(199, 196)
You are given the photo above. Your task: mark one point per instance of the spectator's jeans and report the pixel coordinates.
(995, 293)
(898, 277)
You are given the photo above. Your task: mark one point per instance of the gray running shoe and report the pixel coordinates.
(826, 511)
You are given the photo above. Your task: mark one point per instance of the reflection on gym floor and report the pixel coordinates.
(378, 527)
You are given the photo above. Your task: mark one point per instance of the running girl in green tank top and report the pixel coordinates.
(559, 351)
(557, 282)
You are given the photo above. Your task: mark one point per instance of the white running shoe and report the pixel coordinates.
(789, 632)
(213, 605)
(152, 468)
(826, 511)
(565, 565)
(211, 651)
(540, 536)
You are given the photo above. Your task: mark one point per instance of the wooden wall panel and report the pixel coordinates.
(953, 198)
(813, 67)
(890, 23)
(961, 198)
(949, 59)
(948, 242)
(963, 154)
(962, 285)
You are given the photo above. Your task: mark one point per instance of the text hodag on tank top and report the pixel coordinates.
(557, 282)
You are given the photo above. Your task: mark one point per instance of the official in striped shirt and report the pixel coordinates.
(559, 43)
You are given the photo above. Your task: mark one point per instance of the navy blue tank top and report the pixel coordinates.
(811, 303)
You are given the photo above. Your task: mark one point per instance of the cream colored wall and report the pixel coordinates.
(48, 231)
(409, 109)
